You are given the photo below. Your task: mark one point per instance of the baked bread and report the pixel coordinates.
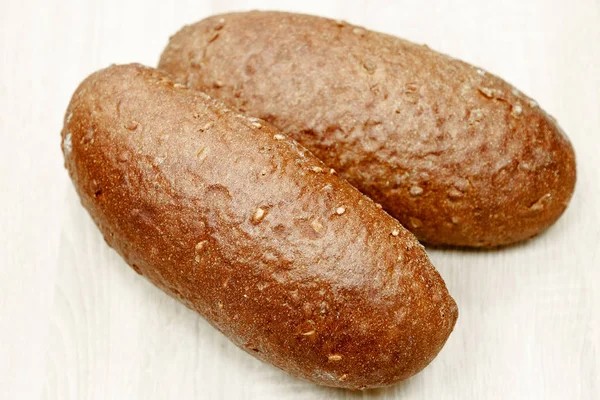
(253, 232)
(456, 154)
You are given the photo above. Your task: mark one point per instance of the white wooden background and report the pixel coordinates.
(77, 323)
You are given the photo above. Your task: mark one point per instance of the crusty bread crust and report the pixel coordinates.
(252, 231)
(459, 156)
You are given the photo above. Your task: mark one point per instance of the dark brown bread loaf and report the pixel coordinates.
(249, 229)
(459, 156)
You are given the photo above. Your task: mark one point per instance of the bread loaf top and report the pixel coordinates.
(459, 156)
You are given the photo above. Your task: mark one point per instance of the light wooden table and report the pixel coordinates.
(77, 323)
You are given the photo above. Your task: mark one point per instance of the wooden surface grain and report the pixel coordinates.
(77, 323)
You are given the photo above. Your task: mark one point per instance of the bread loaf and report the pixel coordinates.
(456, 154)
(253, 232)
